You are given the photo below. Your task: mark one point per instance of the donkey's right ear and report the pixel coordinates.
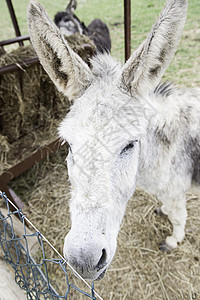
(68, 71)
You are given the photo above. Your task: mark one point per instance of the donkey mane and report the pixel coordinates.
(164, 89)
(104, 66)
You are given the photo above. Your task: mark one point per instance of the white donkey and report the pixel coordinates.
(123, 129)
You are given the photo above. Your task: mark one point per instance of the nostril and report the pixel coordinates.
(102, 261)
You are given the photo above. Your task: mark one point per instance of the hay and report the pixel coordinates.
(2, 50)
(30, 105)
(139, 270)
(82, 45)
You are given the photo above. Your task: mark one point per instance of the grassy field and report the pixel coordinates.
(184, 69)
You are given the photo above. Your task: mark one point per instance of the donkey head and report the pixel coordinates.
(106, 128)
(68, 22)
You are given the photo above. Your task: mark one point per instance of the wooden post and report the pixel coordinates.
(14, 20)
(127, 28)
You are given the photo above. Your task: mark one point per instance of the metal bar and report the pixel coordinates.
(127, 28)
(14, 20)
(15, 40)
(21, 65)
(28, 162)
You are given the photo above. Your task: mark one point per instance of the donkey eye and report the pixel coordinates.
(128, 147)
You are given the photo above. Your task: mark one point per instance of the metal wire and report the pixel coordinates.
(32, 276)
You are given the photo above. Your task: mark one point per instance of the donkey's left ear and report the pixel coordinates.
(145, 68)
(67, 70)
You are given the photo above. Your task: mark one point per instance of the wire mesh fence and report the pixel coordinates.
(32, 274)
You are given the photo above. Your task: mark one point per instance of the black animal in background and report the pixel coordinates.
(97, 31)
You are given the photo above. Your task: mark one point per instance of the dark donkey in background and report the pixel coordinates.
(97, 30)
(123, 129)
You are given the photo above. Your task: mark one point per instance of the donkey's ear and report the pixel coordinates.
(71, 7)
(68, 71)
(145, 68)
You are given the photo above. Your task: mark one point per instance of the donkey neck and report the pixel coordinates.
(158, 141)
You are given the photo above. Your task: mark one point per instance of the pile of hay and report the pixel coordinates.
(30, 105)
(139, 270)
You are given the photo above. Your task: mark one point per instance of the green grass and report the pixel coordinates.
(143, 15)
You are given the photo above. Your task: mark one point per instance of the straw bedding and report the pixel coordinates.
(139, 270)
